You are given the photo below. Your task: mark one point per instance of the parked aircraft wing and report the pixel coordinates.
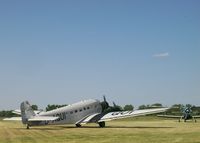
(43, 118)
(169, 116)
(17, 111)
(196, 116)
(13, 119)
(126, 114)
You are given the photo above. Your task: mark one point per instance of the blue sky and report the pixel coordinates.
(134, 52)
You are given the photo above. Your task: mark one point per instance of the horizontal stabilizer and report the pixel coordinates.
(35, 118)
(13, 119)
(18, 112)
(43, 118)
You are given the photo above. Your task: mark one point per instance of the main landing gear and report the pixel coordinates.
(78, 125)
(194, 119)
(102, 124)
(27, 126)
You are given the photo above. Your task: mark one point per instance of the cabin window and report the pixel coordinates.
(88, 107)
(95, 106)
(66, 113)
(76, 111)
(71, 112)
(84, 108)
(80, 110)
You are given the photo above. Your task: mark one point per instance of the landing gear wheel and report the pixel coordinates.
(78, 125)
(179, 120)
(195, 120)
(184, 120)
(102, 124)
(27, 127)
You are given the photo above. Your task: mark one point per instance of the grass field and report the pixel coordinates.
(138, 130)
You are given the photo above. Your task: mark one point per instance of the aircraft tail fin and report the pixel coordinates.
(26, 112)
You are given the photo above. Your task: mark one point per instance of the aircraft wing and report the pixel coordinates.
(43, 118)
(125, 114)
(169, 116)
(13, 119)
(196, 116)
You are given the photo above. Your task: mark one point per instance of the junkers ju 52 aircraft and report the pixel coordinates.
(88, 111)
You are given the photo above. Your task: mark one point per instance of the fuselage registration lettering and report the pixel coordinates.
(122, 113)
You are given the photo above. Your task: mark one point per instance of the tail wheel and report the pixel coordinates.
(102, 124)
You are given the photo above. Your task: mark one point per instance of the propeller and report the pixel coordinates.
(186, 109)
(104, 98)
(104, 104)
(114, 104)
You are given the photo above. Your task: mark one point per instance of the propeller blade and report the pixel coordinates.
(114, 104)
(104, 98)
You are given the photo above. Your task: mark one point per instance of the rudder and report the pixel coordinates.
(26, 112)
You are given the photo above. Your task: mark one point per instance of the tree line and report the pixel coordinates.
(8, 113)
(175, 109)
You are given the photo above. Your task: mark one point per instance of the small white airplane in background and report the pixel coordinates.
(88, 111)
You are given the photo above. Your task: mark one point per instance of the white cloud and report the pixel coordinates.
(161, 55)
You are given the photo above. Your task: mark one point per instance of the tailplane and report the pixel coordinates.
(29, 117)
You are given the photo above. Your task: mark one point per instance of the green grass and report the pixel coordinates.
(138, 130)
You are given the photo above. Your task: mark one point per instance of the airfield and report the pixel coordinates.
(144, 129)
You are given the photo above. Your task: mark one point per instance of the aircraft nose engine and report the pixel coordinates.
(107, 108)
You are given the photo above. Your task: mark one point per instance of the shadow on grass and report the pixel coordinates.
(92, 127)
(135, 127)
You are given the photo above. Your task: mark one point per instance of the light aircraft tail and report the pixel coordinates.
(26, 112)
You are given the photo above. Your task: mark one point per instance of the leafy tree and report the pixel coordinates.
(6, 113)
(54, 106)
(148, 106)
(128, 107)
(34, 107)
(179, 106)
(156, 105)
(189, 105)
(142, 107)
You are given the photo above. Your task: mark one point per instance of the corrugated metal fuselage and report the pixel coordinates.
(71, 114)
